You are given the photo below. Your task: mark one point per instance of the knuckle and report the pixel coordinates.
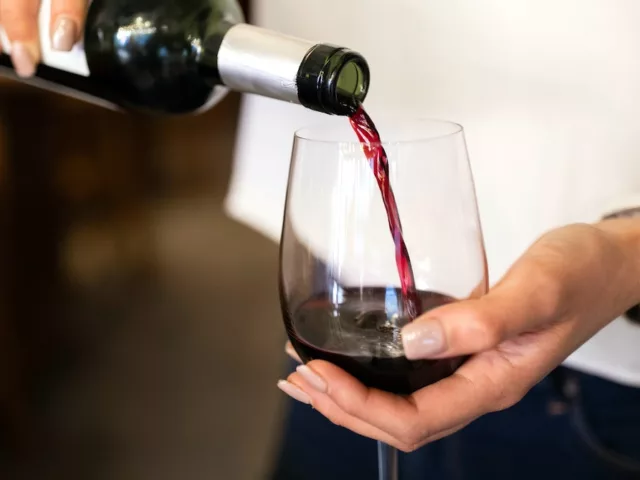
(547, 281)
(414, 439)
(502, 403)
(334, 416)
(493, 335)
(407, 448)
(486, 334)
(412, 436)
(502, 391)
(349, 403)
(549, 292)
(506, 398)
(335, 420)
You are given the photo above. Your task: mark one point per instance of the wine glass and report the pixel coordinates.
(341, 292)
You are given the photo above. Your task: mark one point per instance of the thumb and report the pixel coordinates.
(525, 300)
(20, 21)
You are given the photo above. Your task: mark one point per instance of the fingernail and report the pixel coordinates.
(423, 339)
(23, 62)
(288, 348)
(294, 392)
(64, 34)
(315, 380)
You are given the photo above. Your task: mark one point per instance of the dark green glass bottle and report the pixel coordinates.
(182, 56)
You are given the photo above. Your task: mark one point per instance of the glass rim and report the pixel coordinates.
(313, 133)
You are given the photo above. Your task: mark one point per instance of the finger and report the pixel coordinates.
(67, 23)
(492, 381)
(20, 21)
(327, 407)
(526, 300)
(288, 348)
(487, 382)
(410, 423)
(385, 411)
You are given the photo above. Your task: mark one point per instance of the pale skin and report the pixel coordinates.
(567, 286)
(19, 18)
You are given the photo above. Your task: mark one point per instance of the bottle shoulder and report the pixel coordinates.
(157, 55)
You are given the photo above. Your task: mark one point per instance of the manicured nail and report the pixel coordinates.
(289, 350)
(64, 34)
(423, 339)
(23, 61)
(312, 378)
(294, 392)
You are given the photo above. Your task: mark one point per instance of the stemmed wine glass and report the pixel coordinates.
(341, 292)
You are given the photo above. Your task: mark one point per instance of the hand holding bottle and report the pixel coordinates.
(171, 57)
(19, 18)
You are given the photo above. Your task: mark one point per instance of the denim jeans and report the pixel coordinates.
(570, 426)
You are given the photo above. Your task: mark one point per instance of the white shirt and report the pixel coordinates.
(548, 92)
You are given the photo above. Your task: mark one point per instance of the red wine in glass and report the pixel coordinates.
(360, 335)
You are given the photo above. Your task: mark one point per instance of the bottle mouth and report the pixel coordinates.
(349, 84)
(333, 80)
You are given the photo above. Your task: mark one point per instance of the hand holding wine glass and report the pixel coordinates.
(571, 283)
(19, 18)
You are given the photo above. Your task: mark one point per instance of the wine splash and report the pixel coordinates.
(369, 138)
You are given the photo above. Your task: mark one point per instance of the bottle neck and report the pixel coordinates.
(321, 77)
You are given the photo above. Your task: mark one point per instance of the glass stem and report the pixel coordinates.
(387, 462)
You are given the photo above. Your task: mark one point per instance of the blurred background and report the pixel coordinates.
(140, 331)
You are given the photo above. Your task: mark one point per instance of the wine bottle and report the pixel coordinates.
(183, 56)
